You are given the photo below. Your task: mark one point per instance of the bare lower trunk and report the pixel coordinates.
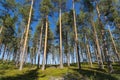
(45, 45)
(104, 42)
(3, 55)
(76, 37)
(114, 45)
(39, 49)
(96, 55)
(68, 54)
(1, 29)
(61, 55)
(26, 39)
(88, 52)
(98, 47)
(68, 59)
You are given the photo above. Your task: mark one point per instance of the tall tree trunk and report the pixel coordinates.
(101, 66)
(76, 37)
(88, 51)
(39, 49)
(26, 38)
(104, 42)
(68, 54)
(60, 26)
(45, 45)
(114, 45)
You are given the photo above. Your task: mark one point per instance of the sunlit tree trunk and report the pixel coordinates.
(39, 49)
(76, 37)
(26, 38)
(114, 45)
(100, 61)
(1, 28)
(45, 44)
(104, 42)
(60, 26)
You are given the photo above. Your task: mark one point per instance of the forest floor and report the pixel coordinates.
(8, 71)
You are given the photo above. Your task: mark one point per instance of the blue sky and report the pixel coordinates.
(53, 19)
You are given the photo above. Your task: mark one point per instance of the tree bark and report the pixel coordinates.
(61, 55)
(45, 44)
(104, 42)
(39, 49)
(100, 61)
(26, 38)
(114, 45)
(68, 54)
(3, 55)
(1, 29)
(76, 37)
(88, 52)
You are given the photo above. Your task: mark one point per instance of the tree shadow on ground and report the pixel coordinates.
(89, 75)
(30, 75)
(116, 68)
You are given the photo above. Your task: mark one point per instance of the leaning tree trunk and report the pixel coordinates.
(76, 37)
(39, 49)
(107, 57)
(26, 38)
(100, 61)
(61, 55)
(114, 45)
(45, 45)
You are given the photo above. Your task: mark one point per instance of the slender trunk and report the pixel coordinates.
(68, 59)
(104, 42)
(9, 56)
(8, 52)
(46, 58)
(82, 54)
(61, 55)
(1, 46)
(39, 49)
(96, 54)
(114, 45)
(35, 59)
(1, 29)
(45, 45)
(17, 59)
(68, 54)
(101, 66)
(102, 54)
(26, 38)
(88, 52)
(25, 55)
(3, 55)
(76, 37)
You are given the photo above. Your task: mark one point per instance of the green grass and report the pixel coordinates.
(9, 72)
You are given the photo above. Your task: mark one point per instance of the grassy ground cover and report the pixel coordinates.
(9, 72)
